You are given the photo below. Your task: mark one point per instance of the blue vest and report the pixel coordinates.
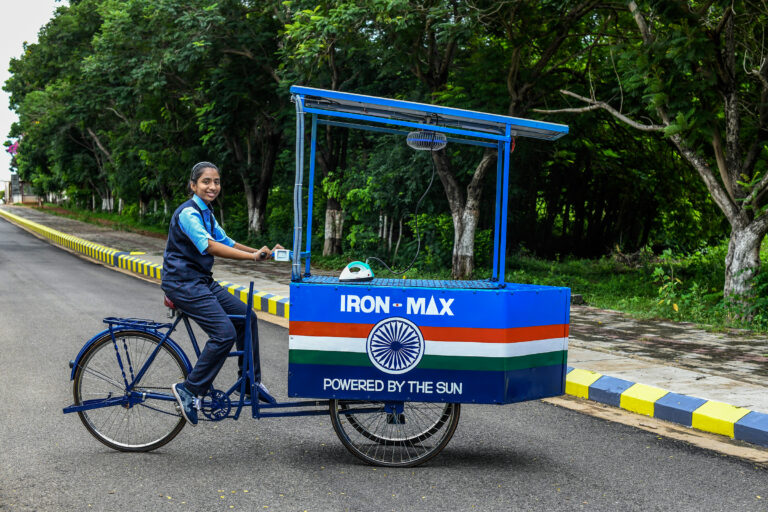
(182, 261)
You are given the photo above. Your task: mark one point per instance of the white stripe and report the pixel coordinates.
(435, 348)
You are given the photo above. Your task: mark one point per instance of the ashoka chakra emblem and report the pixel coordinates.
(395, 345)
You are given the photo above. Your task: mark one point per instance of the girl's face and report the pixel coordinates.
(208, 185)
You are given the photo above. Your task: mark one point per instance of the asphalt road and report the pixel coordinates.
(530, 456)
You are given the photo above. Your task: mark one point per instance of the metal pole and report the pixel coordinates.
(297, 196)
(311, 192)
(504, 202)
(497, 212)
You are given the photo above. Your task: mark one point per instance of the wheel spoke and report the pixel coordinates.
(105, 378)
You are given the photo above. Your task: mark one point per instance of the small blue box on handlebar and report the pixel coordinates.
(282, 254)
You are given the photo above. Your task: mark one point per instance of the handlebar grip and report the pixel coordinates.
(262, 255)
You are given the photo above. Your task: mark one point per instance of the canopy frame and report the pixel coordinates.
(372, 113)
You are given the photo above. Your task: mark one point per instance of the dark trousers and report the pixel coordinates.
(208, 304)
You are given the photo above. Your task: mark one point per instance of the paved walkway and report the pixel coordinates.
(268, 276)
(730, 367)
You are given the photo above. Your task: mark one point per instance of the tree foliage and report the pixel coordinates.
(119, 98)
(697, 73)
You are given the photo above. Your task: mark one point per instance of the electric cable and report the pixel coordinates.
(418, 235)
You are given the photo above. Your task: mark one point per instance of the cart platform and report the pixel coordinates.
(483, 284)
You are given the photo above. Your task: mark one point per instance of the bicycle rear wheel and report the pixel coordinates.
(143, 426)
(384, 435)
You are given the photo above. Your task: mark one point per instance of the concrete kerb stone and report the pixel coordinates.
(699, 413)
(128, 261)
(706, 415)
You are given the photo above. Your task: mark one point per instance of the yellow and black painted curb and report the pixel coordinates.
(706, 415)
(128, 261)
(262, 301)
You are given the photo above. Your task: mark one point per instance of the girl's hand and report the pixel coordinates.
(262, 254)
(276, 247)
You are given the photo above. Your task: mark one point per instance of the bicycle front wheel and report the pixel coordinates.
(102, 374)
(381, 435)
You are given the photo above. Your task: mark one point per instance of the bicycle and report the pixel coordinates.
(122, 381)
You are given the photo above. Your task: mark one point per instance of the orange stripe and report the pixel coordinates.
(330, 329)
(483, 335)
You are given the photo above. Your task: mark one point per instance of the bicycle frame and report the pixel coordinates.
(133, 377)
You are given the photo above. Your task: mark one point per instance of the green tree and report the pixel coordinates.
(330, 45)
(204, 72)
(152, 131)
(521, 49)
(57, 125)
(241, 109)
(697, 73)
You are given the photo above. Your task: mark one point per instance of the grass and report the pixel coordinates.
(672, 287)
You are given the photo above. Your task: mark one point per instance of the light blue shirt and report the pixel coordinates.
(200, 229)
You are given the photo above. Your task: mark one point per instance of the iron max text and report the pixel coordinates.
(413, 306)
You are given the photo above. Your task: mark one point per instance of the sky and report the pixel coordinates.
(17, 25)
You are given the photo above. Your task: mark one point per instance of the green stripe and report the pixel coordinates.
(434, 362)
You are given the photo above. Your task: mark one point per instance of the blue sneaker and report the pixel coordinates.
(188, 402)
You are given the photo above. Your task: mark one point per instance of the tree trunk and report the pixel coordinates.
(254, 221)
(103, 195)
(256, 199)
(465, 210)
(267, 143)
(742, 262)
(382, 228)
(332, 158)
(463, 262)
(334, 224)
(399, 237)
(165, 196)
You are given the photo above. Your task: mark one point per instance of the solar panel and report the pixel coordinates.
(373, 108)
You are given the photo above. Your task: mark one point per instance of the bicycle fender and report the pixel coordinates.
(171, 344)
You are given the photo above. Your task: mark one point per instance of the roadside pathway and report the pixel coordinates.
(268, 276)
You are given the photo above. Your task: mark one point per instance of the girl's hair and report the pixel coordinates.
(197, 171)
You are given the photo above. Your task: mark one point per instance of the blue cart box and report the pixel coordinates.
(411, 340)
(427, 341)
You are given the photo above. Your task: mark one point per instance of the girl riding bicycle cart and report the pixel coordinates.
(390, 359)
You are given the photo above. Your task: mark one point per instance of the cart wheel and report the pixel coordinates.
(394, 434)
(146, 425)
